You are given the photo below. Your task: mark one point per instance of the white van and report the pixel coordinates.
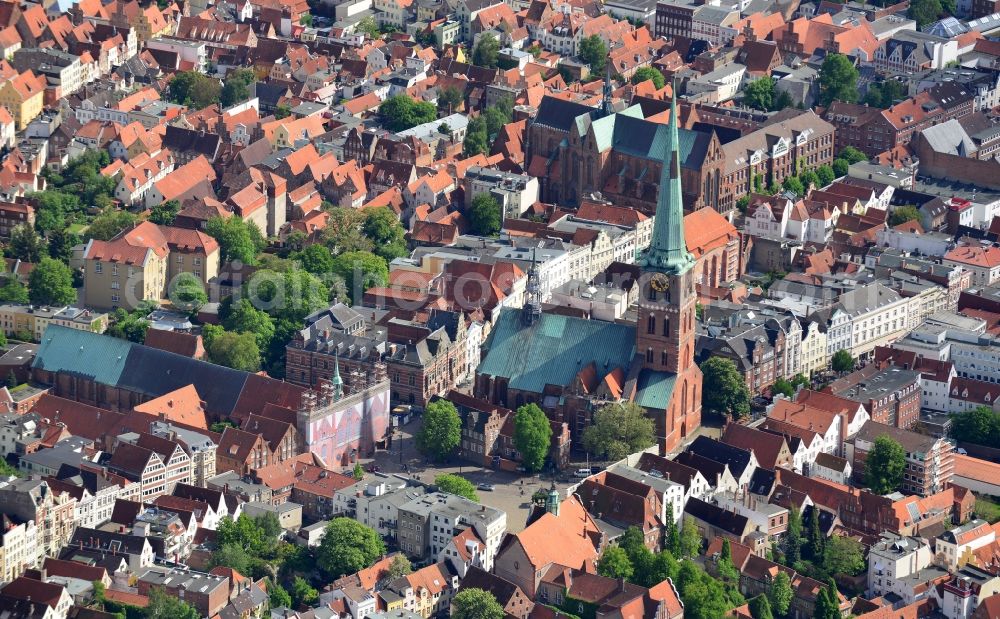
(581, 473)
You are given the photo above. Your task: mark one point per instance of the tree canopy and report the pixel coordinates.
(843, 555)
(648, 73)
(532, 436)
(403, 112)
(594, 52)
(238, 239)
(723, 389)
(194, 89)
(456, 484)
(486, 52)
(51, 283)
(885, 465)
(780, 594)
(904, 214)
(473, 603)
(383, 227)
(838, 80)
(235, 350)
(885, 93)
(485, 215)
(236, 88)
(187, 292)
(110, 224)
(925, 11)
(441, 431)
(842, 361)
(614, 563)
(348, 546)
(164, 606)
(981, 425)
(361, 270)
(26, 244)
(618, 429)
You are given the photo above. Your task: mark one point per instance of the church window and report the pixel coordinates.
(649, 355)
(666, 326)
(663, 358)
(651, 324)
(651, 294)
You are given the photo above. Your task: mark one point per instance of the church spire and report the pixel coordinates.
(667, 249)
(337, 382)
(606, 108)
(532, 309)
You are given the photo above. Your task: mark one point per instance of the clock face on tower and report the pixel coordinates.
(660, 282)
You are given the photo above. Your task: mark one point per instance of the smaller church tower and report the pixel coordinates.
(552, 500)
(532, 309)
(336, 381)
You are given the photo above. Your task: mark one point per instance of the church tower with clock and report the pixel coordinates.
(669, 384)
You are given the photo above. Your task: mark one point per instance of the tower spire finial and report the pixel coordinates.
(337, 382)
(606, 107)
(668, 249)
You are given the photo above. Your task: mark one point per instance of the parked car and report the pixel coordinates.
(486, 487)
(582, 473)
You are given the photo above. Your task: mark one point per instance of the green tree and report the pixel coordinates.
(884, 94)
(614, 563)
(884, 465)
(110, 224)
(369, 26)
(164, 606)
(840, 168)
(476, 137)
(26, 244)
(361, 270)
(794, 185)
(194, 89)
(925, 11)
(827, 603)
(61, 244)
(292, 295)
(704, 597)
(302, 592)
(400, 566)
(486, 51)
(759, 94)
(619, 429)
(441, 431)
(648, 73)
(383, 227)
(783, 387)
(842, 361)
(780, 593)
(187, 292)
(532, 436)
(843, 555)
(279, 598)
(793, 539)
(243, 317)
(473, 603)
(11, 377)
(723, 389)
(233, 557)
(904, 214)
(852, 155)
(282, 110)
(13, 291)
(51, 283)
(236, 239)
(316, 259)
(672, 538)
(164, 213)
(838, 80)
(485, 215)
(402, 112)
(235, 350)
(594, 52)
(760, 607)
(456, 484)
(816, 538)
(826, 175)
(690, 542)
(782, 100)
(449, 98)
(980, 425)
(348, 546)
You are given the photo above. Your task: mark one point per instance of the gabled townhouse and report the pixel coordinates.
(141, 465)
(21, 547)
(137, 176)
(694, 483)
(741, 462)
(88, 542)
(617, 500)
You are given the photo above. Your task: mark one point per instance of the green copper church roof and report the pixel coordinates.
(554, 350)
(653, 389)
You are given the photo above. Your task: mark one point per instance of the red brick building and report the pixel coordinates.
(891, 395)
